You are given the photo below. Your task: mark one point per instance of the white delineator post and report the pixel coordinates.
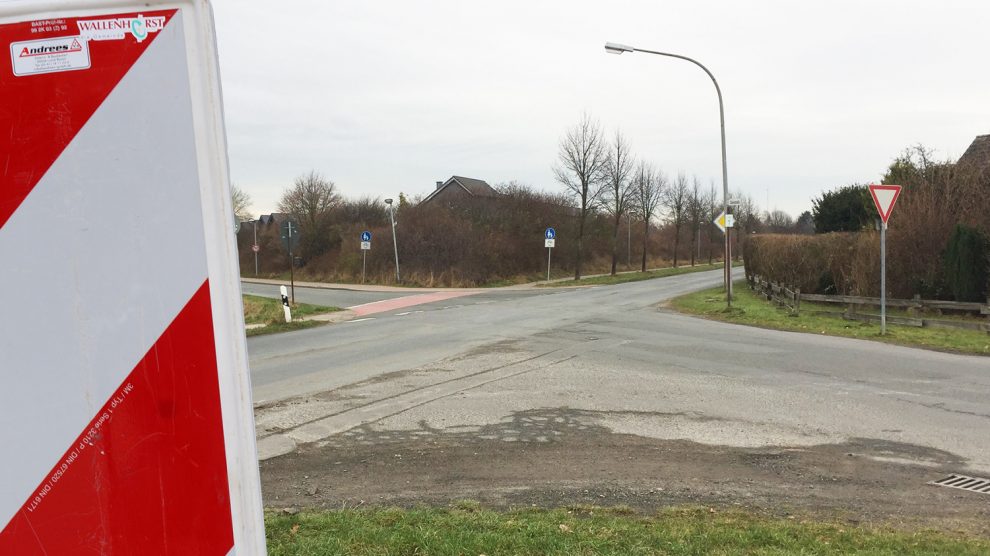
(285, 303)
(884, 197)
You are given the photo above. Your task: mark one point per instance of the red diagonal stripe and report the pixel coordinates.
(41, 114)
(148, 474)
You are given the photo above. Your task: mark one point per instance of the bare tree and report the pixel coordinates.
(676, 201)
(747, 215)
(779, 222)
(648, 190)
(695, 213)
(713, 209)
(310, 202)
(581, 164)
(747, 221)
(240, 201)
(616, 195)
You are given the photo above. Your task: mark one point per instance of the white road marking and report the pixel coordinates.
(362, 320)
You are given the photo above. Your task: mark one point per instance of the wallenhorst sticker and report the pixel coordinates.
(118, 28)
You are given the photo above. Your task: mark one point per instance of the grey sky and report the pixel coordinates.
(388, 96)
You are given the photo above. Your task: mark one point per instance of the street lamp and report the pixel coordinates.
(614, 48)
(395, 244)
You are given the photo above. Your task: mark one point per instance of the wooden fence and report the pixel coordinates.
(792, 298)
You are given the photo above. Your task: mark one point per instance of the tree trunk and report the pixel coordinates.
(646, 234)
(677, 242)
(710, 240)
(615, 244)
(577, 258)
(692, 246)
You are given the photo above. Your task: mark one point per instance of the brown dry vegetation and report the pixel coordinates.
(471, 242)
(936, 197)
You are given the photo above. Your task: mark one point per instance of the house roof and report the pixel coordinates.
(977, 156)
(272, 218)
(474, 187)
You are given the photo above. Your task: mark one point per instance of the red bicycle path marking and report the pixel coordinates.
(376, 307)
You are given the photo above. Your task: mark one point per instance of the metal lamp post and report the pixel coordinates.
(614, 48)
(395, 244)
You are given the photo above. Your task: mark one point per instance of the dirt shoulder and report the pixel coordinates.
(550, 458)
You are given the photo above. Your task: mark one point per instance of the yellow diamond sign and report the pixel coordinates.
(724, 221)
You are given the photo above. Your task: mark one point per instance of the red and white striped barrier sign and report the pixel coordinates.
(125, 410)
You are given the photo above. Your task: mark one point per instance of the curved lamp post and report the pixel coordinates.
(614, 48)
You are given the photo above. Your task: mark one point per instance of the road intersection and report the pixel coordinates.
(509, 368)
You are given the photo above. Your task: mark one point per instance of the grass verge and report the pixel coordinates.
(466, 529)
(633, 276)
(268, 311)
(751, 309)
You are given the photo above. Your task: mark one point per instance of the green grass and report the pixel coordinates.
(751, 309)
(469, 530)
(268, 311)
(633, 276)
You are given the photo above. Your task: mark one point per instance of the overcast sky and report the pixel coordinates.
(384, 96)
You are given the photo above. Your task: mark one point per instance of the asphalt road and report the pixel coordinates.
(612, 357)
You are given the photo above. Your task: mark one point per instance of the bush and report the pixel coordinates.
(831, 264)
(966, 264)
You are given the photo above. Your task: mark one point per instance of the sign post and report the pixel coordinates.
(365, 247)
(549, 241)
(725, 222)
(884, 197)
(127, 427)
(290, 237)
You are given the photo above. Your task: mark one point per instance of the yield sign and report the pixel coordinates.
(884, 197)
(724, 221)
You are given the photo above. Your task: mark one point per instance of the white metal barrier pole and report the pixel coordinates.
(285, 304)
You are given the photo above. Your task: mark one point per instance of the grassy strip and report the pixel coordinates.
(469, 530)
(279, 327)
(268, 311)
(751, 309)
(633, 276)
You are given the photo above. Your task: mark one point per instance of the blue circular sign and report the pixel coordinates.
(550, 233)
(365, 236)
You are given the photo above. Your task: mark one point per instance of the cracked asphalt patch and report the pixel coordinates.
(592, 414)
(553, 457)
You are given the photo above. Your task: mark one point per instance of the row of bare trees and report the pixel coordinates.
(478, 241)
(601, 173)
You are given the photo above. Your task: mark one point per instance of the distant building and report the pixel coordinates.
(976, 159)
(273, 218)
(459, 188)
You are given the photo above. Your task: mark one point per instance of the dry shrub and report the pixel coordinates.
(848, 263)
(811, 263)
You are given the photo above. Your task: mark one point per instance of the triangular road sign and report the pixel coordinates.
(884, 197)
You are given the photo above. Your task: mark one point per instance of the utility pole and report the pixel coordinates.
(395, 244)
